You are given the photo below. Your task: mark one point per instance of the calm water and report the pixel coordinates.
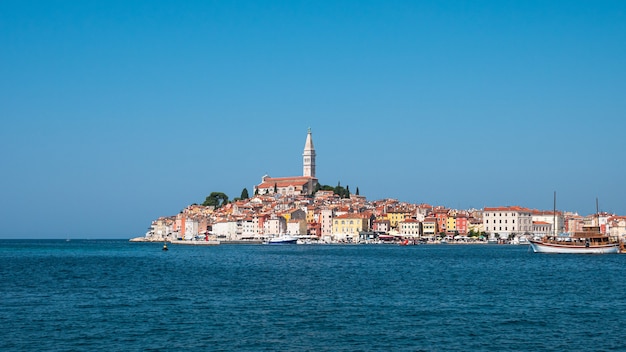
(115, 295)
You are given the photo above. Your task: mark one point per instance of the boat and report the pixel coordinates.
(284, 239)
(590, 240)
(165, 246)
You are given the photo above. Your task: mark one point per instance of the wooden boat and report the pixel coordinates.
(587, 241)
(591, 240)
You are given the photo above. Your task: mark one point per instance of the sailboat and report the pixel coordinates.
(590, 240)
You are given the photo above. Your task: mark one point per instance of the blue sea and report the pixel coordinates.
(111, 295)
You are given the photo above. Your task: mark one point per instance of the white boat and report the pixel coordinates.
(284, 239)
(579, 243)
(590, 240)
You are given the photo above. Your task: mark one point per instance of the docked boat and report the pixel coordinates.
(587, 241)
(284, 239)
(591, 240)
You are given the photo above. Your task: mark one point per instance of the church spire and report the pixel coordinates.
(308, 157)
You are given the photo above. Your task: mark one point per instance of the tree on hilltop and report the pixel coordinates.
(216, 200)
(244, 194)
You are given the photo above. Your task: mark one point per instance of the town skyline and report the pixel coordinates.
(117, 114)
(299, 206)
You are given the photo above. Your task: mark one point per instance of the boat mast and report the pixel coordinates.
(597, 215)
(554, 216)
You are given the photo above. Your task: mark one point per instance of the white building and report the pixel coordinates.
(248, 228)
(275, 226)
(409, 227)
(549, 217)
(296, 227)
(191, 229)
(225, 230)
(326, 222)
(507, 220)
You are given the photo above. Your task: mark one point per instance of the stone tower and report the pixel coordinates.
(308, 157)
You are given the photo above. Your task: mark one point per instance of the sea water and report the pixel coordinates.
(86, 295)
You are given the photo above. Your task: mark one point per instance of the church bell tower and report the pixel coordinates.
(308, 157)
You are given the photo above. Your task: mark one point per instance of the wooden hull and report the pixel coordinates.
(542, 247)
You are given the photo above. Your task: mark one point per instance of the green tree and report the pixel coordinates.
(244, 194)
(357, 191)
(216, 199)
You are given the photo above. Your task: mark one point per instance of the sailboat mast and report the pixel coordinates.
(554, 215)
(597, 214)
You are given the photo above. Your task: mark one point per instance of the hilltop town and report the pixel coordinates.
(298, 206)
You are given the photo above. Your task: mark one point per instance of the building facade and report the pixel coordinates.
(507, 220)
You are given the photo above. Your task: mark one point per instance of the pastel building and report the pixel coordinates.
(429, 227)
(348, 226)
(409, 227)
(461, 224)
(507, 220)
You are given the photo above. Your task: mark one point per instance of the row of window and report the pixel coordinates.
(500, 228)
(343, 222)
(505, 221)
(506, 214)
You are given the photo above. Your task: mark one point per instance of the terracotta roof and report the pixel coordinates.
(512, 208)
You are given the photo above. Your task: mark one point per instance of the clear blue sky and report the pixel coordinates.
(117, 112)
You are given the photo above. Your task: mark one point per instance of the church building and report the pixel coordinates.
(295, 185)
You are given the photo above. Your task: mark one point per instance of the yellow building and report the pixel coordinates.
(310, 214)
(451, 224)
(395, 217)
(349, 224)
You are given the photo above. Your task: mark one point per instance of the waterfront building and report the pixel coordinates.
(475, 224)
(314, 229)
(461, 224)
(274, 226)
(542, 228)
(549, 217)
(429, 227)
(451, 225)
(347, 227)
(247, 228)
(293, 185)
(191, 229)
(326, 222)
(507, 220)
(441, 214)
(225, 229)
(296, 227)
(409, 227)
(381, 226)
